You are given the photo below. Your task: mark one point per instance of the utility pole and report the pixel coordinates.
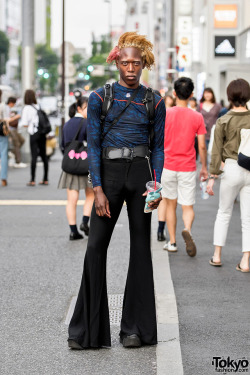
(63, 63)
(110, 20)
(28, 59)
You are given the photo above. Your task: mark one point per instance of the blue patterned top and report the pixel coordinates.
(131, 130)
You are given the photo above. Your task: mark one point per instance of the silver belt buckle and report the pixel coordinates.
(127, 153)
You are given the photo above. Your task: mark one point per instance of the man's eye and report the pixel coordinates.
(137, 63)
(124, 63)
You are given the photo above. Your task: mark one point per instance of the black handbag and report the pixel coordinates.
(75, 156)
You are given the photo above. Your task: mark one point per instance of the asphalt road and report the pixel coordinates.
(41, 270)
(213, 303)
(40, 273)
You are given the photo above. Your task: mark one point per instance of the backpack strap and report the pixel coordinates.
(149, 101)
(132, 97)
(78, 130)
(107, 101)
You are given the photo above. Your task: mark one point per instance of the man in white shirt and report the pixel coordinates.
(16, 137)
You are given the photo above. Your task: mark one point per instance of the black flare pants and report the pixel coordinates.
(122, 180)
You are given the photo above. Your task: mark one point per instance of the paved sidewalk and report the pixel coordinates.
(40, 273)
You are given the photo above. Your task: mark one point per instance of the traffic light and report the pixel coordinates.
(90, 68)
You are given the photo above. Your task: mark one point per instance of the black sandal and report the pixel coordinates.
(238, 267)
(44, 183)
(31, 183)
(215, 264)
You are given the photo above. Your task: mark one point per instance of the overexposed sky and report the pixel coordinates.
(82, 17)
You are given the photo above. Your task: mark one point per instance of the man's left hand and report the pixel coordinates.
(203, 173)
(153, 204)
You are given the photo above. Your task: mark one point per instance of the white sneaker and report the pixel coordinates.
(170, 247)
(20, 165)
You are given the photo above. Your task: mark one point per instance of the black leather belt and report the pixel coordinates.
(125, 152)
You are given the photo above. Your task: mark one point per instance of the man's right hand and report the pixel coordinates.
(101, 202)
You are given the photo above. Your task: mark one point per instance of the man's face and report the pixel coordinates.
(130, 67)
(11, 104)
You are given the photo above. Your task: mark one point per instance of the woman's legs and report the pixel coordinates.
(4, 157)
(87, 208)
(162, 219)
(245, 223)
(72, 198)
(231, 184)
(34, 154)
(42, 148)
(89, 192)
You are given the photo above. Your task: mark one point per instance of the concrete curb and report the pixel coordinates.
(168, 351)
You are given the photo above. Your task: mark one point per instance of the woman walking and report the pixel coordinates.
(235, 179)
(209, 110)
(3, 145)
(74, 183)
(30, 120)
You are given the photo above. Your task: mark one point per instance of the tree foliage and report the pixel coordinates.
(47, 59)
(4, 52)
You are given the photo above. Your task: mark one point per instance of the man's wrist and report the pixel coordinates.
(97, 189)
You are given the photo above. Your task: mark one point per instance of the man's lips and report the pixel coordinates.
(131, 77)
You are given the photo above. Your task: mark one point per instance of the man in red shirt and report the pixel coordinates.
(179, 173)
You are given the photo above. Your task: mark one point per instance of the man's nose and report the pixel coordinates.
(131, 67)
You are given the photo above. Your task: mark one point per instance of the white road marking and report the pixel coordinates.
(22, 202)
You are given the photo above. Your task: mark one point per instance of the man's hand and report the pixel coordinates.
(153, 204)
(203, 174)
(101, 202)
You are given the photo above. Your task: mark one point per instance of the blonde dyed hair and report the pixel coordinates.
(132, 39)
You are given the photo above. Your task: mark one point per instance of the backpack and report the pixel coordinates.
(244, 149)
(44, 126)
(148, 101)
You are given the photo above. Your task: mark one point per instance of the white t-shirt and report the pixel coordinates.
(29, 118)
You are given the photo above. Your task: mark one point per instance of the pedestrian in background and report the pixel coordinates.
(169, 103)
(16, 138)
(209, 110)
(74, 183)
(179, 173)
(3, 146)
(192, 103)
(235, 179)
(29, 119)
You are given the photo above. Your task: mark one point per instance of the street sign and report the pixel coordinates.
(224, 46)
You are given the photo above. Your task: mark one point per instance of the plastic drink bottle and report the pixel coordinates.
(203, 188)
(152, 194)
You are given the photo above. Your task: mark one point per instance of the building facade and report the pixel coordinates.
(11, 24)
(216, 32)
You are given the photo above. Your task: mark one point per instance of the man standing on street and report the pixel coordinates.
(16, 137)
(118, 153)
(179, 174)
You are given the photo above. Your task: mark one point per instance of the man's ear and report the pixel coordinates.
(191, 95)
(174, 94)
(116, 63)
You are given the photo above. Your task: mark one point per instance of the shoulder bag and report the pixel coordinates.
(4, 129)
(75, 156)
(244, 149)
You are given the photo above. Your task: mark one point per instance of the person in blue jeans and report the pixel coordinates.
(4, 159)
(3, 147)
